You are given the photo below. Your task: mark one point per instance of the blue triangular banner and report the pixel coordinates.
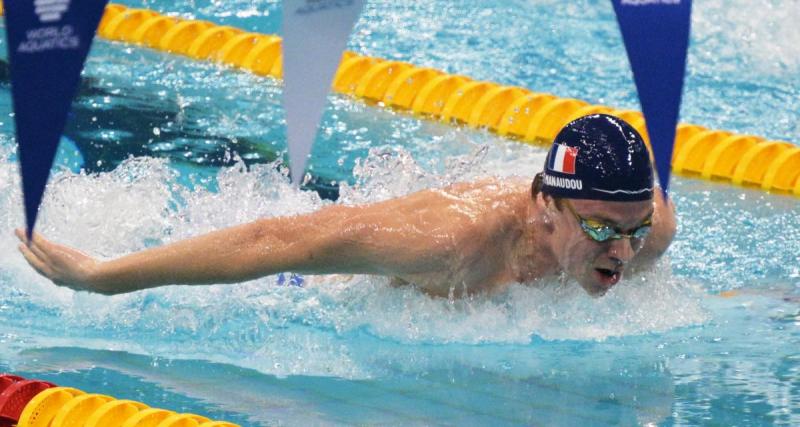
(656, 35)
(48, 41)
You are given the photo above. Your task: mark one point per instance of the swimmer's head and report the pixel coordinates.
(598, 157)
(598, 185)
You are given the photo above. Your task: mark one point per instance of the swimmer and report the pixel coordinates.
(592, 215)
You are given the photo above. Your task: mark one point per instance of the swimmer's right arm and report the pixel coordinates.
(661, 236)
(336, 239)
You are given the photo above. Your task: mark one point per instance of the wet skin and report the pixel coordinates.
(463, 239)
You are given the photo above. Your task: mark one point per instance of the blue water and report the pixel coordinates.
(164, 148)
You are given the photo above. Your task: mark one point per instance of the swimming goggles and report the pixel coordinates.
(600, 232)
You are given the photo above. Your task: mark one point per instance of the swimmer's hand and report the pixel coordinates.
(61, 264)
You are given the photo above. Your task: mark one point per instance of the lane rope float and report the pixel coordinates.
(33, 403)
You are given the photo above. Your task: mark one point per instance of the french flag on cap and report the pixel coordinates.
(563, 159)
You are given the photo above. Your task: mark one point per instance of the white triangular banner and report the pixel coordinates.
(315, 34)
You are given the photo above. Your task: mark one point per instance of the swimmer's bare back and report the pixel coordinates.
(461, 236)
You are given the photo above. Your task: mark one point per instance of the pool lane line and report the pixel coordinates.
(513, 112)
(39, 402)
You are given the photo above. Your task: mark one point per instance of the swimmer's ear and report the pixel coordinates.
(553, 203)
(550, 216)
(536, 185)
(550, 209)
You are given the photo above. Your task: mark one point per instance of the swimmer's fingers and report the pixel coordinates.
(44, 268)
(39, 252)
(34, 255)
(20, 233)
(61, 264)
(35, 261)
(23, 237)
(39, 245)
(53, 253)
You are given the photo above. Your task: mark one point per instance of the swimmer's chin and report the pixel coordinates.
(596, 293)
(598, 290)
(602, 281)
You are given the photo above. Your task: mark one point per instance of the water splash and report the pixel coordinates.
(286, 329)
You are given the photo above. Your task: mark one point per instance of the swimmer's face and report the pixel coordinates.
(598, 266)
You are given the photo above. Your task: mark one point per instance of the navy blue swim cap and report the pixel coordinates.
(599, 157)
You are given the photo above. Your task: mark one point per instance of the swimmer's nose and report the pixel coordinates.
(621, 250)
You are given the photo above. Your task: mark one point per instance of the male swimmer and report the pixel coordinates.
(592, 214)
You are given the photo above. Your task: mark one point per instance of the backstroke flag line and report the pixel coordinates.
(48, 41)
(656, 35)
(315, 34)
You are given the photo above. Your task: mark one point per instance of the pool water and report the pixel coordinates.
(161, 147)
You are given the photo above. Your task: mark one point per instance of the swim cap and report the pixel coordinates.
(598, 157)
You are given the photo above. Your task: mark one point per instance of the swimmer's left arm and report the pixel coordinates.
(661, 235)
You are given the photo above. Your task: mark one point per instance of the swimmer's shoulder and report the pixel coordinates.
(662, 233)
(664, 221)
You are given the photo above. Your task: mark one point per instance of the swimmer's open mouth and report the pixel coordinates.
(608, 277)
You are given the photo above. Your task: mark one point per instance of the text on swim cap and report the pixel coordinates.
(570, 184)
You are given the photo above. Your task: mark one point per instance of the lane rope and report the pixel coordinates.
(34, 403)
